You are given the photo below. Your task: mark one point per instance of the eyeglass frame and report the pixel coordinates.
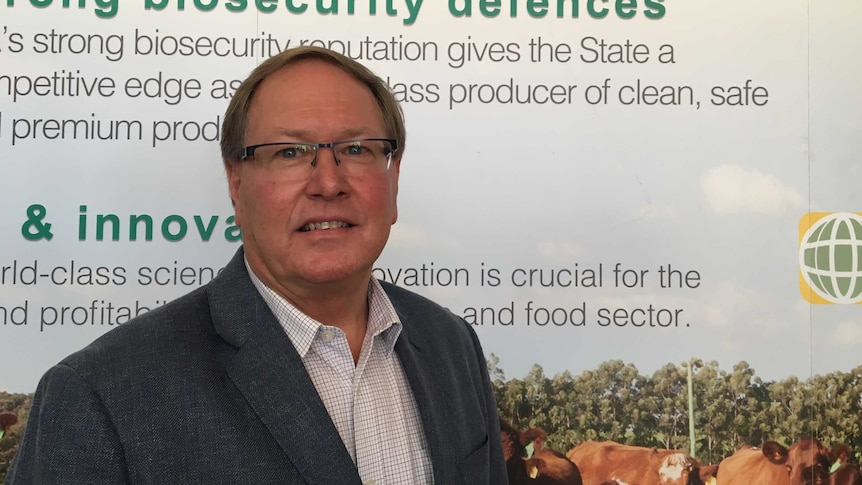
(248, 152)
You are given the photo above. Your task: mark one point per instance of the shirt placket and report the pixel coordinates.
(367, 429)
(330, 345)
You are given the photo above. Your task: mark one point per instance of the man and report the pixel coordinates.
(293, 365)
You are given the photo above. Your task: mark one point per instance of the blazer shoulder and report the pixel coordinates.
(157, 334)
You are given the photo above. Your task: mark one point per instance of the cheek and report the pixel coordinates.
(391, 189)
(376, 197)
(388, 208)
(394, 210)
(261, 204)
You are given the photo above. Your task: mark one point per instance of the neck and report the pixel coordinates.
(337, 305)
(342, 304)
(345, 308)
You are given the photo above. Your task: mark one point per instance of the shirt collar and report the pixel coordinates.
(302, 329)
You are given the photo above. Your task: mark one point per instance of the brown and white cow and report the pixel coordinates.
(805, 463)
(839, 453)
(846, 474)
(608, 461)
(841, 471)
(7, 420)
(542, 466)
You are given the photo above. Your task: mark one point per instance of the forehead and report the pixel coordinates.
(313, 97)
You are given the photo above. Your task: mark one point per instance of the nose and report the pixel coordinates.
(327, 180)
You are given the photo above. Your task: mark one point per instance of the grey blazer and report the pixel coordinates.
(208, 389)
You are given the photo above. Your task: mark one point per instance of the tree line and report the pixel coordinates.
(731, 408)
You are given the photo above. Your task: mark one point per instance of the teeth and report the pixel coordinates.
(316, 226)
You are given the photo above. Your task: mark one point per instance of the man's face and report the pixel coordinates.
(314, 102)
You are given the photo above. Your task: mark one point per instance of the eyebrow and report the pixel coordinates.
(305, 135)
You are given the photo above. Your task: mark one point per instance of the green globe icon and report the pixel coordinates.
(830, 257)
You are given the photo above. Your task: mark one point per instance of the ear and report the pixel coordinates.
(774, 452)
(395, 172)
(233, 169)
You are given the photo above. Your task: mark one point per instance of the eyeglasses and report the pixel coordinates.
(296, 160)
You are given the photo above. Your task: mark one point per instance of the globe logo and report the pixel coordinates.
(830, 257)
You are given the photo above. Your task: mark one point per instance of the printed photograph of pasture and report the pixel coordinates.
(615, 425)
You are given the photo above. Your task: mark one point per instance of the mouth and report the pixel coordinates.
(322, 226)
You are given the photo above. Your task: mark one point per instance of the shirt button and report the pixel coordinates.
(370, 482)
(327, 335)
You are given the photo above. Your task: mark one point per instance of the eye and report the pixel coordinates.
(287, 152)
(292, 151)
(355, 149)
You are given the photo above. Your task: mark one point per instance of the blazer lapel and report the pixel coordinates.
(264, 365)
(427, 387)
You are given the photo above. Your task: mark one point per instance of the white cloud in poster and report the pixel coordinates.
(740, 316)
(717, 314)
(655, 211)
(846, 334)
(407, 236)
(559, 252)
(733, 189)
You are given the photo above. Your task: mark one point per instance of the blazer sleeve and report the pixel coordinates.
(497, 462)
(69, 438)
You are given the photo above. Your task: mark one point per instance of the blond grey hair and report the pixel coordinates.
(236, 116)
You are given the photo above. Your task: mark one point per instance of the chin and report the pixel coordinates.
(328, 272)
